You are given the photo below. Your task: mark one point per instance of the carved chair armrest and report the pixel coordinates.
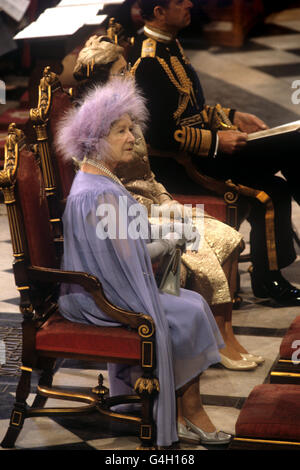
(93, 286)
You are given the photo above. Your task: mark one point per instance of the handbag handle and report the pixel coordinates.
(176, 260)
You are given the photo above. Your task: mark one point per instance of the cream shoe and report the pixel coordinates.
(253, 358)
(242, 364)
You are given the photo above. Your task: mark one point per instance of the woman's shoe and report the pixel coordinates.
(252, 358)
(187, 436)
(212, 438)
(242, 364)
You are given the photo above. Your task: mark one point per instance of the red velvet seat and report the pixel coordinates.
(287, 367)
(60, 334)
(288, 346)
(269, 419)
(213, 205)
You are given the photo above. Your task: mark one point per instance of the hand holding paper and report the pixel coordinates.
(248, 122)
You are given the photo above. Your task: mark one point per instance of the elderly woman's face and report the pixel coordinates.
(118, 68)
(121, 139)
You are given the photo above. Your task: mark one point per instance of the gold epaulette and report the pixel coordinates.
(149, 48)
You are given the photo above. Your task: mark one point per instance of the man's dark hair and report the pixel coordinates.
(147, 7)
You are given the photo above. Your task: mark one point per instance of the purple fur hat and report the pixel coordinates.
(83, 130)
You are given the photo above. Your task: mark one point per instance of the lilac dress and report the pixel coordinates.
(187, 337)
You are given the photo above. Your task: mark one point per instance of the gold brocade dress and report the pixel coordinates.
(201, 271)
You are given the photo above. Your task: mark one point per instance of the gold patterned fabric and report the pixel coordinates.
(204, 268)
(201, 271)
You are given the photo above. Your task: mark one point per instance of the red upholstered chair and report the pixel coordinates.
(287, 367)
(46, 334)
(269, 419)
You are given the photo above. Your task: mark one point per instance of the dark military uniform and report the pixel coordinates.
(180, 121)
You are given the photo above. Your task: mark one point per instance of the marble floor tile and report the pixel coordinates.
(257, 316)
(257, 58)
(131, 443)
(287, 41)
(224, 382)
(3, 211)
(265, 346)
(9, 307)
(78, 377)
(223, 417)
(220, 381)
(253, 81)
(290, 80)
(119, 443)
(284, 14)
(291, 24)
(40, 432)
(280, 70)
(10, 290)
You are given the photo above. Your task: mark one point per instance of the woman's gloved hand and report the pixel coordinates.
(160, 247)
(184, 233)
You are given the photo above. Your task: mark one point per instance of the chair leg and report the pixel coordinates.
(147, 427)
(147, 387)
(46, 379)
(19, 411)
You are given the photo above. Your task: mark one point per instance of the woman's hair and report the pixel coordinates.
(83, 130)
(94, 62)
(147, 7)
(96, 58)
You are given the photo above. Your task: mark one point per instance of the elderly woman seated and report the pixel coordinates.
(212, 269)
(102, 238)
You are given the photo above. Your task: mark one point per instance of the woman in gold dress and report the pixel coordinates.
(212, 269)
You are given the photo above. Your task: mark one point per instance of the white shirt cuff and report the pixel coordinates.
(217, 146)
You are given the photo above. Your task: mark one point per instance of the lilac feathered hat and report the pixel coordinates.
(83, 130)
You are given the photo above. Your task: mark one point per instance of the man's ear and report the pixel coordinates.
(158, 12)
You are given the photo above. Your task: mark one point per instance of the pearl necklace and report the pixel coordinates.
(102, 168)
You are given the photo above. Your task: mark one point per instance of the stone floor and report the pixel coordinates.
(263, 70)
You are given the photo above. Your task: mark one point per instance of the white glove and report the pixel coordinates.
(158, 248)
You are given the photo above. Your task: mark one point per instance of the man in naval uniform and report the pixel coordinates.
(214, 139)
